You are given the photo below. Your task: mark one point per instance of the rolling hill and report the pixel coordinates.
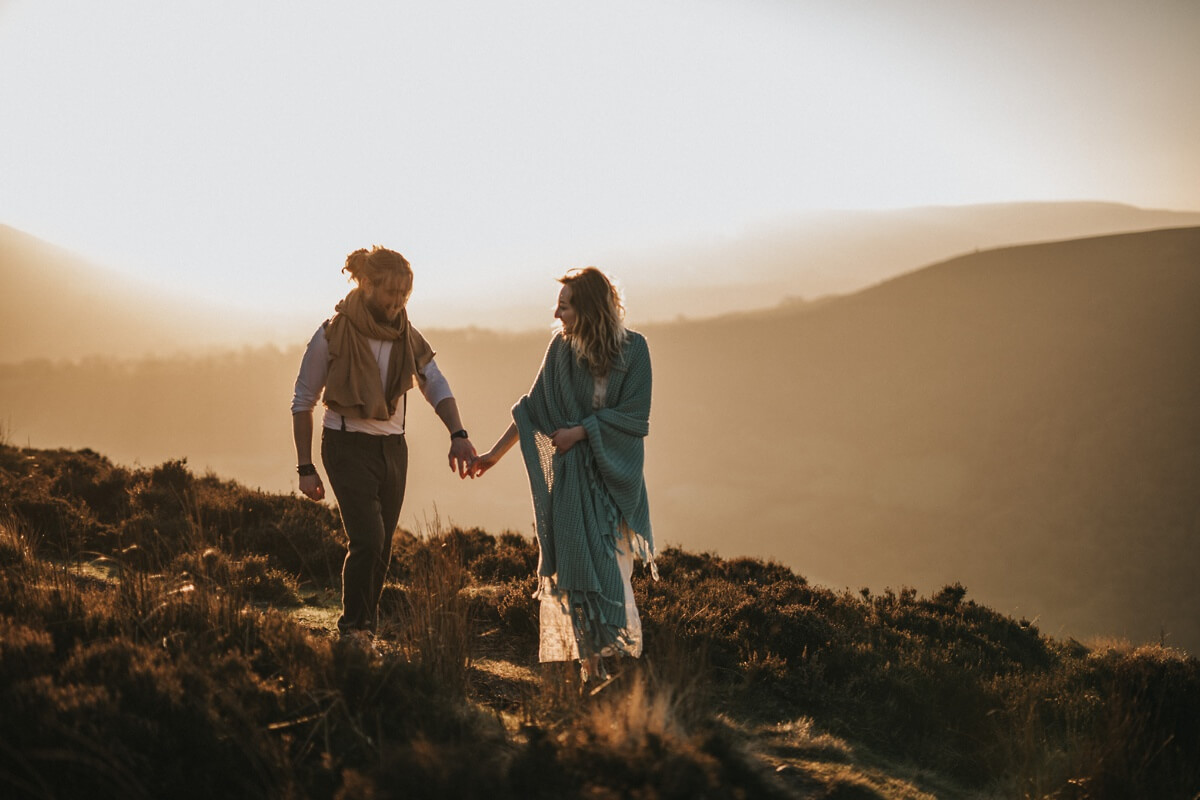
(818, 254)
(1021, 420)
(1024, 420)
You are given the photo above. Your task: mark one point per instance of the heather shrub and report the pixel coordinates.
(425, 769)
(512, 557)
(518, 610)
(24, 652)
(732, 621)
(171, 686)
(488, 559)
(120, 715)
(142, 616)
(251, 577)
(93, 479)
(79, 503)
(1112, 722)
(911, 677)
(63, 529)
(296, 534)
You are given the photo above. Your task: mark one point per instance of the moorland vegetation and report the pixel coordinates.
(1019, 420)
(167, 634)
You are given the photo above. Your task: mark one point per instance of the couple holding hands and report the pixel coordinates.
(580, 428)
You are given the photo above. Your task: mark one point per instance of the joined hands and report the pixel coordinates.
(563, 438)
(462, 457)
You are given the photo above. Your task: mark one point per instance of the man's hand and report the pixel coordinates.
(462, 456)
(311, 487)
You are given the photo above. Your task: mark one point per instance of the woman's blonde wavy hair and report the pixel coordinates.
(599, 332)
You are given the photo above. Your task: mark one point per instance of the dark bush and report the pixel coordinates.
(513, 557)
(517, 608)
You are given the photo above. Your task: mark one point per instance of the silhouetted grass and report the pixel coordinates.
(150, 645)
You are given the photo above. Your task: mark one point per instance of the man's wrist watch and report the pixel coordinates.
(459, 434)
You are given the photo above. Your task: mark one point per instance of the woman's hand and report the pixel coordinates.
(484, 463)
(488, 460)
(311, 487)
(566, 438)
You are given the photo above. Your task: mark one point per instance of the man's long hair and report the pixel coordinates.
(377, 266)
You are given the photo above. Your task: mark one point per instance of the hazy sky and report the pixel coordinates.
(238, 150)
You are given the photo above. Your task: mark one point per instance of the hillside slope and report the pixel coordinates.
(1021, 420)
(823, 253)
(1024, 417)
(166, 634)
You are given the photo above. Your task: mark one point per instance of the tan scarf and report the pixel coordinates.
(352, 386)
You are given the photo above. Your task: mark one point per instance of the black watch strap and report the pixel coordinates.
(459, 434)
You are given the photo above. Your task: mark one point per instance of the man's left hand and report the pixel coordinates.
(462, 456)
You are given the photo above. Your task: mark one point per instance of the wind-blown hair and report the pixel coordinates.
(377, 266)
(599, 331)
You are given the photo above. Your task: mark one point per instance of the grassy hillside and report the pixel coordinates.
(1021, 420)
(167, 634)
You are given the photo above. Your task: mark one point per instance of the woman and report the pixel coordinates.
(364, 360)
(582, 429)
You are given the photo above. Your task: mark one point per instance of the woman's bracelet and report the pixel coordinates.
(304, 470)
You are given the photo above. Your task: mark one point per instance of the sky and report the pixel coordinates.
(235, 152)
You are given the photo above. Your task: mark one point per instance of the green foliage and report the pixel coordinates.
(146, 614)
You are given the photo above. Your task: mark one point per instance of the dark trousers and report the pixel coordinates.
(367, 474)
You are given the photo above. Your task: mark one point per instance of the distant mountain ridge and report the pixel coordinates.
(818, 254)
(808, 256)
(55, 304)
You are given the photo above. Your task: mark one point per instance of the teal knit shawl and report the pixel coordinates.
(581, 497)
